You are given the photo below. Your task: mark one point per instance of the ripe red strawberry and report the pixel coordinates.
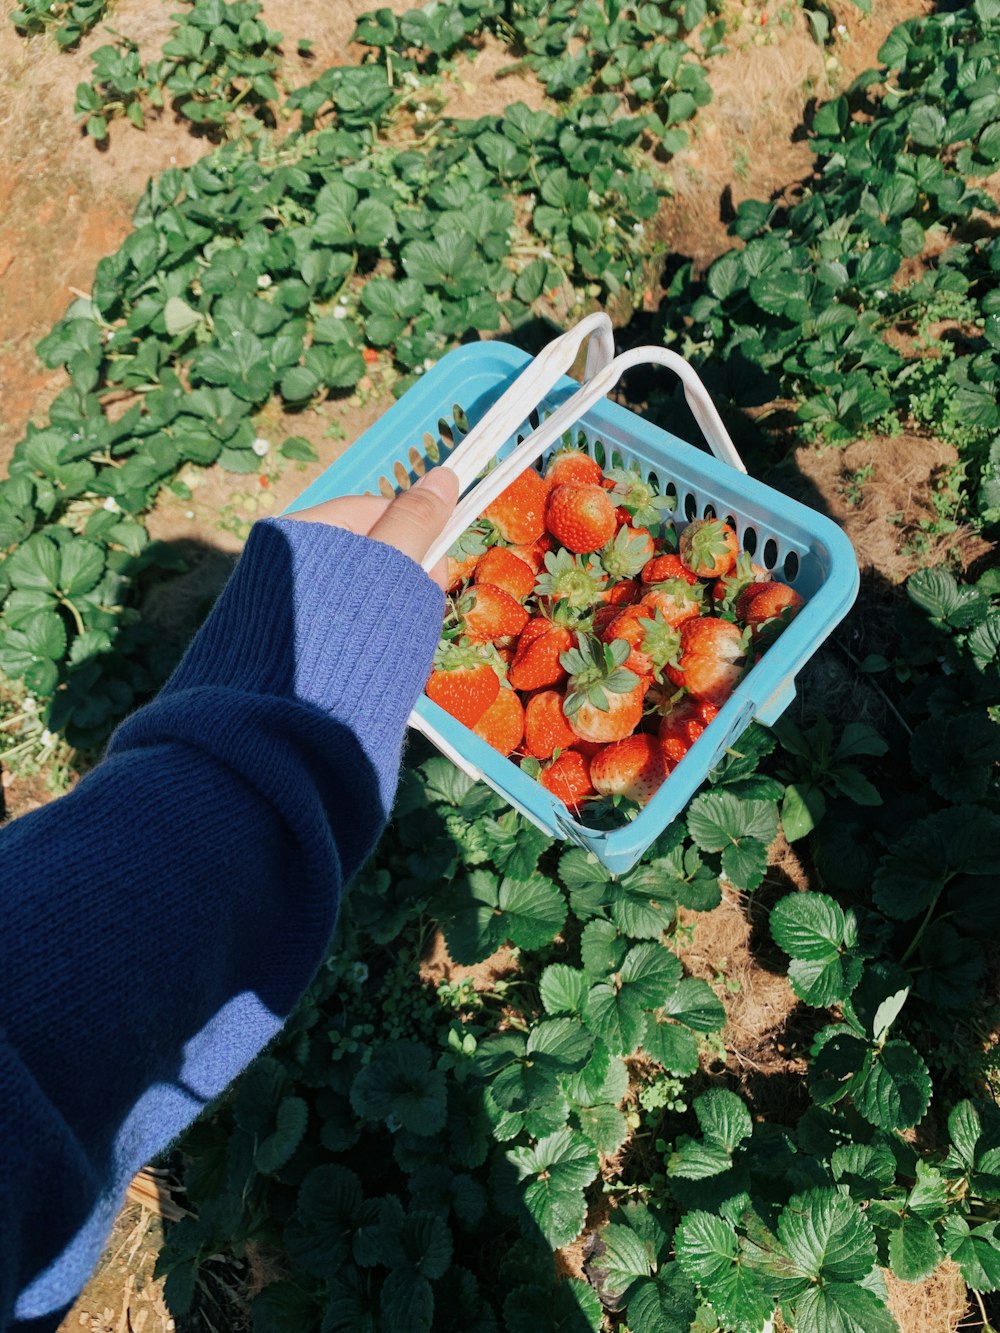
(675, 599)
(761, 602)
(573, 466)
(502, 724)
(623, 593)
(631, 549)
(568, 777)
(503, 569)
(726, 590)
(536, 663)
(464, 555)
(463, 682)
(638, 498)
(635, 767)
(668, 566)
(712, 660)
(682, 724)
(653, 640)
(603, 699)
(489, 613)
(582, 518)
(545, 726)
(534, 553)
(708, 547)
(573, 583)
(518, 512)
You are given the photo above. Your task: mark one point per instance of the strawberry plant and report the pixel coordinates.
(812, 305)
(67, 20)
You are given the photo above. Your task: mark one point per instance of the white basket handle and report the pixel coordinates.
(529, 389)
(534, 445)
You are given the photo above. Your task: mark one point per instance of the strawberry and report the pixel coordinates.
(518, 512)
(654, 641)
(463, 682)
(536, 663)
(545, 726)
(676, 600)
(502, 724)
(663, 567)
(503, 569)
(767, 608)
(623, 593)
(681, 724)
(465, 555)
(708, 547)
(489, 613)
(582, 518)
(639, 498)
(573, 466)
(635, 767)
(712, 659)
(534, 553)
(628, 553)
(568, 777)
(573, 583)
(604, 699)
(724, 591)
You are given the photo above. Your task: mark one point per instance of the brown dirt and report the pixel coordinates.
(123, 1294)
(437, 965)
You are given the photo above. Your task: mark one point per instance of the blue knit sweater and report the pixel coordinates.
(158, 924)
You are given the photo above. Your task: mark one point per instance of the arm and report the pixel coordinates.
(160, 922)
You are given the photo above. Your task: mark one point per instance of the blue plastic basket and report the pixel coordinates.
(799, 546)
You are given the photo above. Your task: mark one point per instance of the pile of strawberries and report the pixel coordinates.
(585, 641)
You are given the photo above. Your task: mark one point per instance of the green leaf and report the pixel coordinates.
(327, 1213)
(553, 1175)
(976, 1251)
(708, 1252)
(563, 989)
(626, 1259)
(179, 318)
(893, 1088)
(825, 1234)
(617, 1017)
(671, 1046)
(696, 1005)
(399, 1082)
(407, 1302)
(298, 448)
(289, 1130)
(914, 1251)
(840, 1307)
(665, 1303)
(603, 1125)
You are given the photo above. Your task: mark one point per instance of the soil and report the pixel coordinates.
(64, 204)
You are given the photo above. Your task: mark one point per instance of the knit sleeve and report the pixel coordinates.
(158, 924)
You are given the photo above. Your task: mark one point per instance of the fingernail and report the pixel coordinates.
(442, 482)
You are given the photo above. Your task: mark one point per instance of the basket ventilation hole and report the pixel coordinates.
(417, 462)
(402, 476)
(731, 521)
(770, 558)
(654, 481)
(431, 447)
(386, 488)
(750, 541)
(670, 491)
(534, 418)
(791, 566)
(709, 511)
(446, 433)
(690, 506)
(461, 420)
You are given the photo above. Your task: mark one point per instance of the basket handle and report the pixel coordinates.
(528, 390)
(535, 444)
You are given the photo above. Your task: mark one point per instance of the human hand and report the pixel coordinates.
(410, 522)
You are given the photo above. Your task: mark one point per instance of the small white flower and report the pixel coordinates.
(547, 254)
(264, 281)
(419, 370)
(638, 228)
(359, 973)
(48, 737)
(340, 312)
(628, 275)
(880, 296)
(841, 28)
(593, 197)
(111, 505)
(611, 224)
(260, 447)
(429, 363)
(76, 436)
(189, 513)
(29, 705)
(420, 114)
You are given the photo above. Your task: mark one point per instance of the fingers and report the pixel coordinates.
(416, 517)
(356, 513)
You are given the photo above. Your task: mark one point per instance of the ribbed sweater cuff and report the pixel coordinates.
(319, 614)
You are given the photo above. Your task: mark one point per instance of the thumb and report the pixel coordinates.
(416, 517)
